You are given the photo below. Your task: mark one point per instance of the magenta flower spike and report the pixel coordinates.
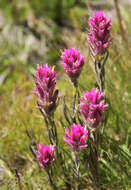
(44, 90)
(45, 155)
(73, 63)
(76, 139)
(92, 107)
(99, 33)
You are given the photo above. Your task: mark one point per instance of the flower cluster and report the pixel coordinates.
(44, 90)
(76, 139)
(92, 107)
(45, 155)
(99, 33)
(73, 63)
(92, 104)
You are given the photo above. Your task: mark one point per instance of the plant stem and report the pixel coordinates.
(51, 181)
(94, 136)
(51, 128)
(49, 131)
(100, 76)
(75, 91)
(94, 144)
(65, 172)
(77, 163)
(54, 132)
(100, 71)
(53, 125)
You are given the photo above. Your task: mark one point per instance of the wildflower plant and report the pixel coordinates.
(47, 97)
(73, 63)
(82, 132)
(99, 40)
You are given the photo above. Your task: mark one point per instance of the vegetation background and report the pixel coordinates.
(34, 32)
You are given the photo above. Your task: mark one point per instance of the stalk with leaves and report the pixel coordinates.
(99, 41)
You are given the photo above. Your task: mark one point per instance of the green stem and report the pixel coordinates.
(77, 163)
(75, 91)
(50, 180)
(54, 132)
(76, 160)
(100, 71)
(94, 154)
(94, 135)
(47, 125)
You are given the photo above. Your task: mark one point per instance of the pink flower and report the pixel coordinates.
(76, 139)
(92, 107)
(73, 63)
(45, 155)
(99, 33)
(44, 90)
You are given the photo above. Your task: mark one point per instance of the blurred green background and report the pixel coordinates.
(35, 32)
